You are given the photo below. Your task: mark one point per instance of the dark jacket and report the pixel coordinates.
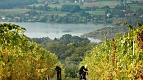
(82, 70)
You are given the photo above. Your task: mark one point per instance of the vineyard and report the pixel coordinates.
(118, 59)
(23, 59)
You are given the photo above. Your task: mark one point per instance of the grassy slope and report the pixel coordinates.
(136, 6)
(109, 3)
(16, 10)
(109, 32)
(97, 12)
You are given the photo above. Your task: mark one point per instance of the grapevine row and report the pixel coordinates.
(118, 59)
(22, 59)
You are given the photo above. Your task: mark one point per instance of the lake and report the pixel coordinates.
(55, 30)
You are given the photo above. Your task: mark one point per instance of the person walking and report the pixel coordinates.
(58, 69)
(82, 72)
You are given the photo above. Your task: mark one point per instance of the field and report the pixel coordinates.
(56, 12)
(102, 3)
(90, 4)
(17, 10)
(136, 6)
(97, 12)
(109, 3)
(58, 5)
(112, 4)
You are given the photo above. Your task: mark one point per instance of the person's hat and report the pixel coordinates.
(85, 66)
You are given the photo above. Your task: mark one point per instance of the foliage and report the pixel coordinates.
(21, 59)
(71, 79)
(119, 58)
(45, 7)
(69, 49)
(41, 40)
(110, 32)
(9, 4)
(70, 8)
(71, 70)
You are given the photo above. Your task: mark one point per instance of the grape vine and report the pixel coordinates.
(22, 59)
(120, 58)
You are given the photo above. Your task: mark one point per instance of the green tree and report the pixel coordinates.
(23, 59)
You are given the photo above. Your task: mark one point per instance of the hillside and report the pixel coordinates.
(109, 32)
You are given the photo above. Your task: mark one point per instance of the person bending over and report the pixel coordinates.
(82, 72)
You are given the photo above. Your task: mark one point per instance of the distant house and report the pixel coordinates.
(67, 0)
(3, 18)
(52, 2)
(34, 17)
(17, 17)
(108, 14)
(129, 2)
(29, 20)
(40, 1)
(130, 14)
(47, 2)
(26, 15)
(141, 15)
(123, 10)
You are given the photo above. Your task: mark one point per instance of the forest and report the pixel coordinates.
(69, 49)
(8, 4)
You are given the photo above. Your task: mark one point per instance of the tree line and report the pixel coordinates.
(69, 49)
(9, 4)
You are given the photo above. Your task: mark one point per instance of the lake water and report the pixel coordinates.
(54, 30)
